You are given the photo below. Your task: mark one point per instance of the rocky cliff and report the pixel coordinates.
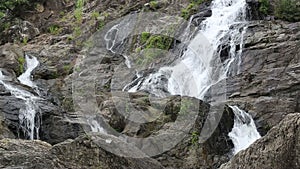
(57, 33)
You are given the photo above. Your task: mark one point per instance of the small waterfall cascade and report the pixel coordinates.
(244, 131)
(200, 66)
(25, 78)
(28, 115)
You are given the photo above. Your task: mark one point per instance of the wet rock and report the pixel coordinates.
(279, 148)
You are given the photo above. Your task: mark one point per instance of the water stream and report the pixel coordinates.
(28, 119)
(244, 131)
(202, 66)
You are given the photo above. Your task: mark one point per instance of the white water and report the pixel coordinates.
(29, 123)
(201, 67)
(31, 64)
(244, 131)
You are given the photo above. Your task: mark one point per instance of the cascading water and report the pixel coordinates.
(29, 121)
(244, 130)
(25, 78)
(201, 66)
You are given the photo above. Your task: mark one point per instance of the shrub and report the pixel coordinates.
(264, 6)
(287, 10)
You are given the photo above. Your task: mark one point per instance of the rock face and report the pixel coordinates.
(83, 152)
(268, 83)
(267, 86)
(278, 149)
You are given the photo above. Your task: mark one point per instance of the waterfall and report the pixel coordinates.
(200, 66)
(28, 119)
(25, 78)
(244, 130)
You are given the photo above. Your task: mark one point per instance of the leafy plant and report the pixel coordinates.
(95, 15)
(195, 138)
(77, 32)
(54, 29)
(101, 24)
(145, 36)
(21, 61)
(79, 10)
(25, 40)
(191, 8)
(153, 4)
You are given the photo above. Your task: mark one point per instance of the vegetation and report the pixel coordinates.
(21, 61)
(79, 11)
(287, 10)
(156, 41)
(13, 6)
(195, 138)
(191, 8)
(264, 6)
(54, 29)
(153, 4)
(25, 40)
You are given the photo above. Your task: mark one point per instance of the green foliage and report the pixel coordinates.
(191, 8)
(287, 10)
(95, 15)
(195, 138)
(145, 36)
(77, 32)
(79, 3)
(12, 5)
(153, 4)
(54, 29)
(79, 10)
(21, 61)
(101, 24)
(158, 41)
(25, 40)
(78, 15)
(2, 14)
(264, 6)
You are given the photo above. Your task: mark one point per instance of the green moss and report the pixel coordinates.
(159, 41)
(287, 10)
(191, 8)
